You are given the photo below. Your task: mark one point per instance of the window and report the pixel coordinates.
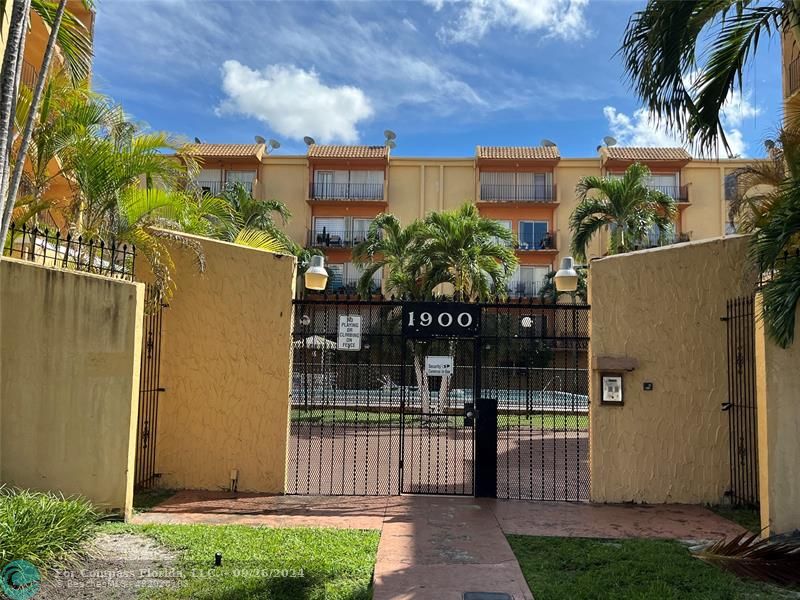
(527, 280)
(505, 223)
(496, 185)
(533, 235)
(329, 231)
(348, 184)
(360, 229)
(345, 277)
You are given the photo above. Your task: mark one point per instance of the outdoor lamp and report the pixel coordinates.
(316, 276)
(566, 278)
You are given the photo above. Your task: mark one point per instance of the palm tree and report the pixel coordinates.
(250, 213)
(75, 45)
(468, 251)
(662, 48)
(625, 205)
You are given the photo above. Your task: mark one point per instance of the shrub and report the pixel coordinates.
(43, 528)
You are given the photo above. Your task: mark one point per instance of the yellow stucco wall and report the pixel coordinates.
(286, 179)
(778, 396)
(225, 364)
(69, 376)
(662, 307)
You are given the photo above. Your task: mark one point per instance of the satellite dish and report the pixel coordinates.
(390, 135)
(391, 144)
(274, 144)
(548, 143)
(197, 140)
(260, 140)
(309, 140)
(610, 141)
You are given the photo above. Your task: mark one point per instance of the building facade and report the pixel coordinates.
(334, 192)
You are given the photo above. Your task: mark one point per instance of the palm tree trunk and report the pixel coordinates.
(28, 133)
(9, 88)
(422, 383)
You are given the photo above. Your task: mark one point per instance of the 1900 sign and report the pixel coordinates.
(441, 319)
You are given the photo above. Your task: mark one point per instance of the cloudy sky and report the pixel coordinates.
(444, 75)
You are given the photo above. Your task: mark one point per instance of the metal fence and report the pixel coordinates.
(89, 255)
(741, 403)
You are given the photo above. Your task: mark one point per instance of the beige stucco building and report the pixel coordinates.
(334, 192)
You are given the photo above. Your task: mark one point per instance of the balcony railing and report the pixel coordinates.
(501, 192)
(793, 77)
(29, 75)
(349, 285)
(347, 191)
(546, 242)
(217, 187)
(524, 289)
(680, 193)
(334, 238)
(655, 241)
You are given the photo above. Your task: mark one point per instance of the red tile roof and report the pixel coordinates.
(227, 150)
(518, 152)
(333, 151)
(647, 154)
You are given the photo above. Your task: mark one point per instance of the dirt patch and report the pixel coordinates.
(120, 566)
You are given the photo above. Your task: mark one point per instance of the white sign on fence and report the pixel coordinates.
(438, 366)
(349, 332)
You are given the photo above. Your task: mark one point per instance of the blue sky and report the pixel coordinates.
(445, 76)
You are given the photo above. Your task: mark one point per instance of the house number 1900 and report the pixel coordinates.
(440, 319)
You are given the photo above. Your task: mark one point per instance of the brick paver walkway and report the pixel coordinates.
(435, 547)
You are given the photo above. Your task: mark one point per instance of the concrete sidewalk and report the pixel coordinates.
(435, 547)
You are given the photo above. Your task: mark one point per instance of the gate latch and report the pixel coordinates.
(469, 414)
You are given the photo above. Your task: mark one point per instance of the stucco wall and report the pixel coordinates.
(69, 376)
(225, 365)
(778, 396)
(662, 308)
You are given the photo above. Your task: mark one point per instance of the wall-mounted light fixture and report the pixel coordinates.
(566, 278)
(316, 277)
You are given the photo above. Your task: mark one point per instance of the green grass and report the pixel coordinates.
(340, 417)
(306, 564)
(144, 500)
(569, 568)
(42, 528)
(749, 518)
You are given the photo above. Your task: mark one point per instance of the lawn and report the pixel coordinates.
(265, 563)
(569, 568)
(749, 518)
(341, 417)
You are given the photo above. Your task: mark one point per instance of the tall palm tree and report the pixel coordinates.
(626, 206)
(685, 58)
(251, 213)
(468, 251)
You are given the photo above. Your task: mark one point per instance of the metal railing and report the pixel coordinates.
(654, 240)
(349, 285)
(335, 238)
(70, 252)
(217, 187)
(29, 75)
(501, 192)
(524, 289)
(347, 191)
(676, 192)
(546, 242)
(793, 76)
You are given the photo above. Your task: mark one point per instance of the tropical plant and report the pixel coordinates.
(662, 50)
(75, 46)
(625, 205)
(248, 213)
(472, 253)
(550, 295)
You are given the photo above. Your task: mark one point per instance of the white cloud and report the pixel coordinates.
(410, 24)
(644, 129)
(556, 18)
(294, 102)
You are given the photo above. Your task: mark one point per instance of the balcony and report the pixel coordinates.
(655, 241)
(335, 239)
(215, 188)
(347, 191)
(679, 193)
(349, 285)
(501, 192)
(524, 289)
(793, 77)
(545, 242)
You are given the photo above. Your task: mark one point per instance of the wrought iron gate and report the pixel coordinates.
(505, 415)
(149, 390)
(741, 404)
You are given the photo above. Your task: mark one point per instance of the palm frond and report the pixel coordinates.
(258, 238)
(746, 555)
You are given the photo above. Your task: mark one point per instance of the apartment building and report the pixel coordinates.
(791, 71)
(335, 191)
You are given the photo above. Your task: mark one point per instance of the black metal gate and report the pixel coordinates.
(149, 390)
(741, 404)
(393, 397)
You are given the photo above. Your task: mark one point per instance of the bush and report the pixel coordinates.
(43, 528)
